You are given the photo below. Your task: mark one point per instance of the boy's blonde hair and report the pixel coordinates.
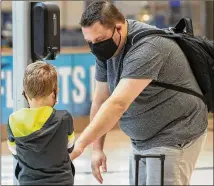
(40, 80)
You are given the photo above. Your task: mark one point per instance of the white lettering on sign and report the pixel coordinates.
(80, 95)
(76, 93)
(92, 81)
(65, 73)
(9, 91)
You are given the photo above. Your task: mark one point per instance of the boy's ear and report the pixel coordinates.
(57, 90)
(25, 96)
(23, 93)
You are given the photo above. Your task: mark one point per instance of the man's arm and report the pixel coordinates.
(98, 157)
(111, 111)
(101, 94)
(141, 67)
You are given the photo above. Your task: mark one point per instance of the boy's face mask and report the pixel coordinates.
(104, 50)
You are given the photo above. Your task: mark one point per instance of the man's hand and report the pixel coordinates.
(77, 151)
(98, 160)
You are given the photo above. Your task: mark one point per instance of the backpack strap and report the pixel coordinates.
(179, 89)
(182, 24)
(145, 32)
(164, 33)
(131, 40)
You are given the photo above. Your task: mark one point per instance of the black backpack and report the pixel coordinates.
(199, 52)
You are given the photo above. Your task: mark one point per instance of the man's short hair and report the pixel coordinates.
(104, 12)
(40, 80)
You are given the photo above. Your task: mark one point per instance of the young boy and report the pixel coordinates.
(41, 137)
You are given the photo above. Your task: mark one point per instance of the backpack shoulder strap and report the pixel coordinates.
(179, 28)
(131, 40)
(179, 89)
(182, 24)
(136, 36)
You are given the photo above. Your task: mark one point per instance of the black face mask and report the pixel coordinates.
(104, 50)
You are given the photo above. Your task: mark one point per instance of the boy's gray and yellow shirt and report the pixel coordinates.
(41, 140)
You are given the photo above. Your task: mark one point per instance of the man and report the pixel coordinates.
(157, 120)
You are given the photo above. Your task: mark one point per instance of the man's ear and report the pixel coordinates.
(118, 26)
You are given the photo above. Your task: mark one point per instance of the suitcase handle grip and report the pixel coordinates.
(138, 157)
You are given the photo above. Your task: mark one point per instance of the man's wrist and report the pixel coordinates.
(97, 147)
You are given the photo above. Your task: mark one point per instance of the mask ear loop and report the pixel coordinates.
(55, 97)
(113, 31)
(119, 34)
(119, 41)
(23, 93)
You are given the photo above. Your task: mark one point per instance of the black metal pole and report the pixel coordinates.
(162, 158)
(137, 159)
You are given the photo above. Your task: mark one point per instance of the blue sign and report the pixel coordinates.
(76, 84)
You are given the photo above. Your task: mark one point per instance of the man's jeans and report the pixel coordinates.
(178, 166)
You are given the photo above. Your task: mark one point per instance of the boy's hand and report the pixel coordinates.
(77, 151)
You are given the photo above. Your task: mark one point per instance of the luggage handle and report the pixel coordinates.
(137, 157)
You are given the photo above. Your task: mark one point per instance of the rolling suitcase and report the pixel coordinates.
(137, 159)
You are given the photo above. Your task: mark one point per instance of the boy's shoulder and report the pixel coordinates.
(18, 111)
(16, 114)
(63, 114)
